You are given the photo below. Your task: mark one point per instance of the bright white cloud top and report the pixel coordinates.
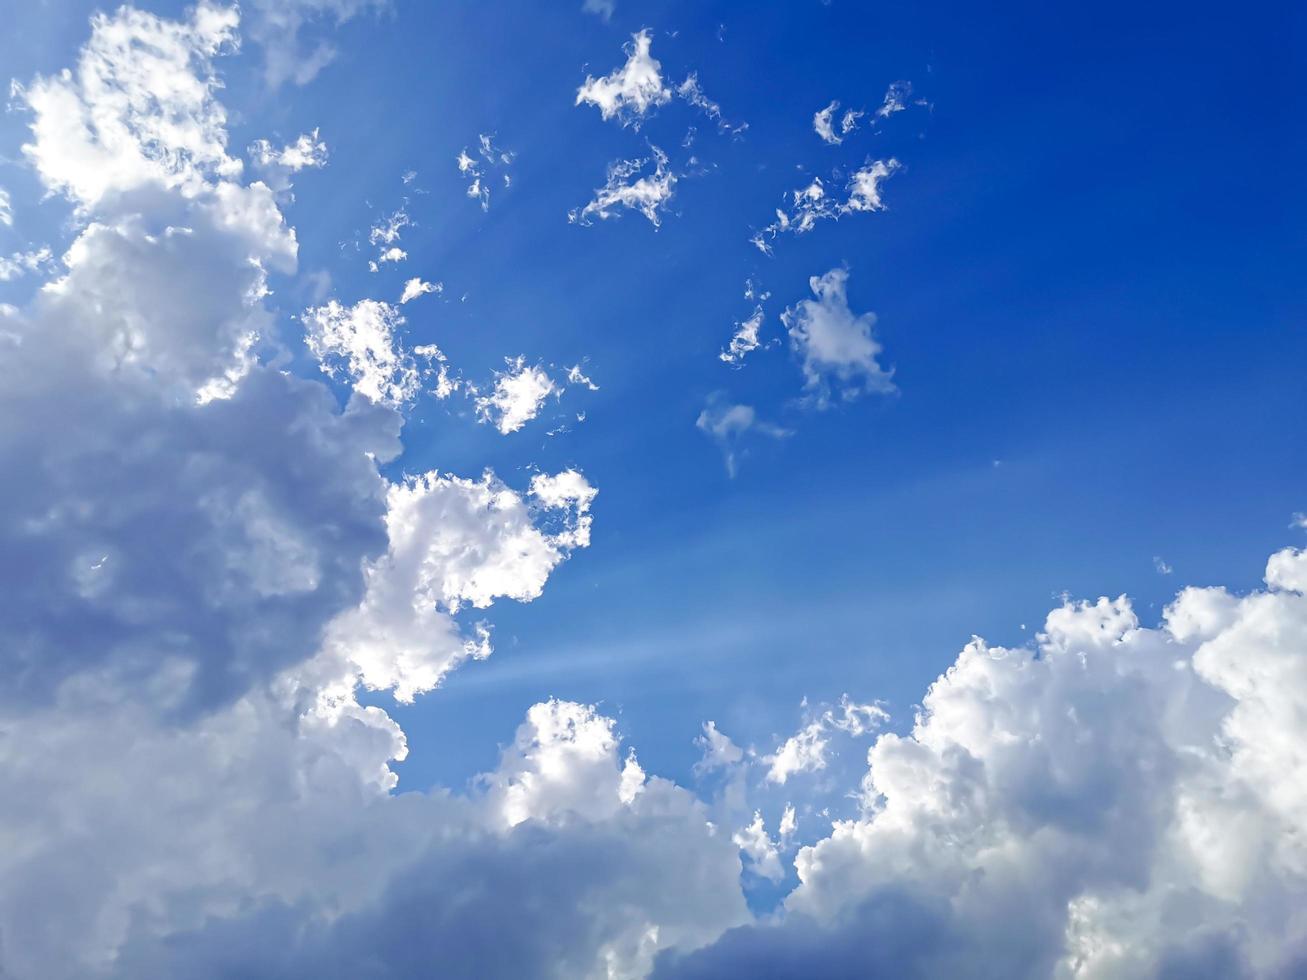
(229, 583)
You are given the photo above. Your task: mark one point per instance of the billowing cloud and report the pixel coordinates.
(837, 349)
(1131, 794)
(648, 193)
(631, 92)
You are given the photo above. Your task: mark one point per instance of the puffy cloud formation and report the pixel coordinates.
(361, 343)
(1132, 795)
(453, 543)
(836, 348)
(649, 193)
(516, 397)
(631, 92)
(475, 169)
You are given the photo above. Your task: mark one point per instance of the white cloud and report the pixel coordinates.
(476, 169)
(278, 24)
(600, 8)
(814, 203)
(278, 163)
(727, 424)
(416, 287)
(138, 109)
(719, 752)
(896, 99)
(6, 209)
(762, 852)
(744, 340)
(516, 397)
(19, 264)
(836, 348)
(361, 342)
(649, 194)
(631, 92)
(692, 92)
(1163, 568)
(824, 125)
(454, 543)
(864, 187)
(1133, 795)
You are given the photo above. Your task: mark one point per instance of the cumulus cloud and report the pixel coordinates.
(516, 396)
(836, 348)
(815, 203)
(648, 193)
(1130, 793)
(361, 343)
(629, 93)
(454, 543)
(477, 169)
(6, 209)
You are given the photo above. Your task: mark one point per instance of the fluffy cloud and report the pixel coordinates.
(1132, 795)
(836, 348)
(138, 110)
(631, 92)
(453, 543)
(361, 343)
(516, 397)
(6, 209)
(744, 340)
(649, 193)
(416, 287)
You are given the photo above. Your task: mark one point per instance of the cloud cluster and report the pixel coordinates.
(649, 193)
(814, 203)
(475, 169)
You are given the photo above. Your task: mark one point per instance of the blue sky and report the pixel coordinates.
(1084, 271)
